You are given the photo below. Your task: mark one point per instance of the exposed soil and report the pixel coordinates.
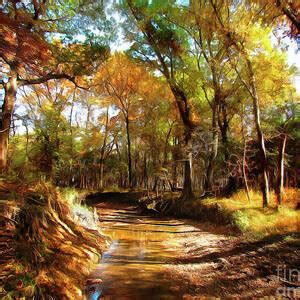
(165, 258)
(235, 267)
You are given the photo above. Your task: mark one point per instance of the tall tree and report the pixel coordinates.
(212, 60)
(243, 42)
(160, 44)
(126, 84)
(29, 54)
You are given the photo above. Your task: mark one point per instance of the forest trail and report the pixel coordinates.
(167, 258)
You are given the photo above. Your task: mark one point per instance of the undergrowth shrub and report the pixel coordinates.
(52, 253)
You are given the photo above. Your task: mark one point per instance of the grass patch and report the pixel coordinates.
(250, 216)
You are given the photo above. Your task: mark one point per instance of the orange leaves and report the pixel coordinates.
(129, 86)
(121, 76)
(19, 43)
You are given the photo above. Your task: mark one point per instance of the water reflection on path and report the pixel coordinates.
(133, 266)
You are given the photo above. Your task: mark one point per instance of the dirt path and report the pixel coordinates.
(165, 258)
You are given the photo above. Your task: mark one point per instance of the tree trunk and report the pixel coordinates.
(184, 110)
(101, 175)
(260, 138)
(280, 174)
(244, 172)
(244, 159)
(144, 180)
(231, 185)
(129, 153)
(70, 123)
(208, 184)
(7, 109)
(89, 107)
(167, 144)
(103, 147)
(187, 192)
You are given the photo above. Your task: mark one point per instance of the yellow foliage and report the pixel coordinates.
(129, 86)
(251, 217)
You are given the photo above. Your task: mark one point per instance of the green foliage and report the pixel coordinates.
(71, 195)
(241, 220)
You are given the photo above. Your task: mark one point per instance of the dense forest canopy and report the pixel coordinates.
(202, 100)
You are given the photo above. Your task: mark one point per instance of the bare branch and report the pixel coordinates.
(50, 76)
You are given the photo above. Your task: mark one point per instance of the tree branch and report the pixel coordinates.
(50, 76)
(290, 14)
